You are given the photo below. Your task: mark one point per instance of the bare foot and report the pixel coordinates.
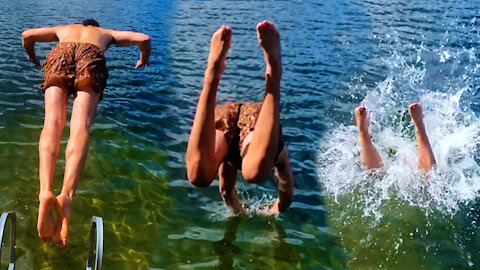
(426, 159)
(63, 205)
(45, 224)
(416, 115)
(219, 46)
(362, 119)
(269, 40)
(370, 157)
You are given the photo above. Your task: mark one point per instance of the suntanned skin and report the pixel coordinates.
(208, 147)
(370, 157)
(83, 114)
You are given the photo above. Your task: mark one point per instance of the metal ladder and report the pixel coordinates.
(97, 226)
(96, 232)
(13, 227)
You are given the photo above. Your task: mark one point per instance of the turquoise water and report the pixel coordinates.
(336, 55)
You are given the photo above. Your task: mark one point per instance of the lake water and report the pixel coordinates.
(336, 55)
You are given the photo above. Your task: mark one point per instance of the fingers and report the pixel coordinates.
(35, 61)
(141, 64)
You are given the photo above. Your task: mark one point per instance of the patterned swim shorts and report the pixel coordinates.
(70, 62)
(237, 120)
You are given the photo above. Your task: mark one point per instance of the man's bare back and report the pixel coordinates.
(86, 34)
(98, 36)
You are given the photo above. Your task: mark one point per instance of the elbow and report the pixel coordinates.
(25, 36)
(144, 40)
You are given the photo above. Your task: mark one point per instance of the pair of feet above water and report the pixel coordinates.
(370, 157)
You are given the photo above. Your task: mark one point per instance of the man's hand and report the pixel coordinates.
(141, 63)
(274, 211)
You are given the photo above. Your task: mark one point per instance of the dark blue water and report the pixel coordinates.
(334, 53)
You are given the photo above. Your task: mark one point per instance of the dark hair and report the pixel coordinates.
(91, 22)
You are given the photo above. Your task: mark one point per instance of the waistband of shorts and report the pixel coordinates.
(81, 43)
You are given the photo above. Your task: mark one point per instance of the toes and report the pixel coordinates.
(361, 110)
(414, 106)
(227, 33)
(265, 26)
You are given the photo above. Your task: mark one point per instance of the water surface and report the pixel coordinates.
(336, 54)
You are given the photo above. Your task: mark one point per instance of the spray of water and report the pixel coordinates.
(442, 81)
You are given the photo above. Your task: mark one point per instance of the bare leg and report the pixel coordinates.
(259, 159)
(226, 183)
(207, 147)
(426, 160)
(83, 113)
(370, 157)
(56, 100)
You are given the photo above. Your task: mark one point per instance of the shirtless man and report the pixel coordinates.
(370, 157)
(240, 136)
(75, 66)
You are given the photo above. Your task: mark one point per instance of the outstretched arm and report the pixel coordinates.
(126, 38)
(284, 177)
(29, 37)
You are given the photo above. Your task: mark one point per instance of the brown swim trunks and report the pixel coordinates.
(237, 120)
(70, 62)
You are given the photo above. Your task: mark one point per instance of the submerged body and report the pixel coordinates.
(75, 66)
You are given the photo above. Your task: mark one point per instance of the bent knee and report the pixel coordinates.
(254, 174)
(199, 176)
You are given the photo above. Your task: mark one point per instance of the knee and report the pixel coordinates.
(199, 175)
(255, 173)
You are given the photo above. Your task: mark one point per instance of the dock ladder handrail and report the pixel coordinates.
(13, 227)
(97, 225)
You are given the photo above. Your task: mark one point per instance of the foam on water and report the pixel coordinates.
(443, 81)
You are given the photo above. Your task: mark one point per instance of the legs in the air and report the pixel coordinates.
(260, 157)
(83, 114)
(56, 100)
(207, 147)
(370, 157)
(426, 160)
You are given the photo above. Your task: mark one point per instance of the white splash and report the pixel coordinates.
(452, 127)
